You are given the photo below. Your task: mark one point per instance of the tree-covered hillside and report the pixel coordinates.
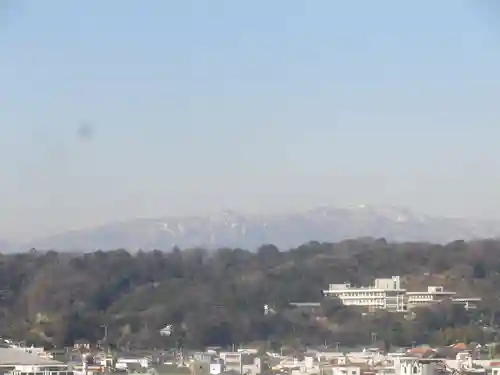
(217, 298)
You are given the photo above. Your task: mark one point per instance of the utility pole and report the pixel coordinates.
(105, 338)
(105, 326)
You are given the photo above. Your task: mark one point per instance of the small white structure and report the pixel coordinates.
(266, 309)
(215, 368)
(107, 361)
(232, 361)
(412, 366)
(123, 362)
(254, 368)
(167, 330)
(495, 367)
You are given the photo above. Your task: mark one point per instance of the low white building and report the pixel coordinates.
(124, 363)
(215, 368)
(413, 366)
(21, 362)
(232, 361)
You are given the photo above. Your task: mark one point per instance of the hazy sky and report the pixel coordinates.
(123, 108)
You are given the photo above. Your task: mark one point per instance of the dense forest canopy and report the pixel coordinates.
(217, 297)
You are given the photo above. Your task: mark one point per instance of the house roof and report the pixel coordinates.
(11, 357)
(460, 346)
(420, 351)
(446, 352)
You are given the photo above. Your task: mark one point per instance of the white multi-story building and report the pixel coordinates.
(387, 294)
(433, 294)
(384, 294)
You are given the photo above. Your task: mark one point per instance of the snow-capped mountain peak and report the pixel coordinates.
(231, 229)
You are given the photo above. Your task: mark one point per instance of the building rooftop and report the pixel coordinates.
(12, 357)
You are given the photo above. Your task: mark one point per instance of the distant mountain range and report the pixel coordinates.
(231, 229)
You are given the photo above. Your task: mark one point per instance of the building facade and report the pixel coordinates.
(433, 294)
(387, 294)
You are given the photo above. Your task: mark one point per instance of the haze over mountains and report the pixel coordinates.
(231, 229)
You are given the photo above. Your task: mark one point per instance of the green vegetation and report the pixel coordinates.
(217, 297)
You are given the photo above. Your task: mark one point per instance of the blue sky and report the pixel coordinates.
(201, 105)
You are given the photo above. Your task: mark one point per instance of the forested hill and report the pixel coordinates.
(218, 297)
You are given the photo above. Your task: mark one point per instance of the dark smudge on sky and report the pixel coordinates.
(85, 132)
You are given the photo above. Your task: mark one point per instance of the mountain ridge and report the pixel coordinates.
(234, 229)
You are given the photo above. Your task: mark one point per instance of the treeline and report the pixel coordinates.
(217, 297)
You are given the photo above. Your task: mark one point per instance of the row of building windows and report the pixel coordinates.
(429, 297)
(358, 294)
(364, 302)
(425, 297)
